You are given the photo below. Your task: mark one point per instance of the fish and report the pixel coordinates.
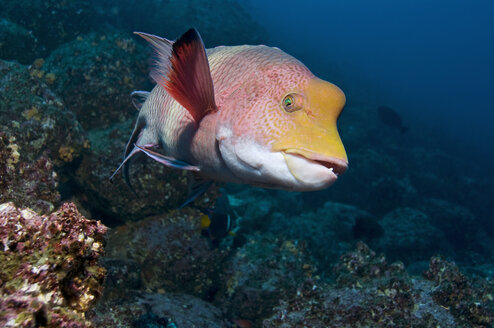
(391, 118)
(249, 114)
(217, 221)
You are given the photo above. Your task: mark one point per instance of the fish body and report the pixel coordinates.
(244, 114)
(217, 222)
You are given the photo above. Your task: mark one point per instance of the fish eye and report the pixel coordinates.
(292, 102)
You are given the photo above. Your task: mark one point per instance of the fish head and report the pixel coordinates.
(285, 135)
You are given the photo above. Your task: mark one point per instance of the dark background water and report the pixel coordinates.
(433, 61)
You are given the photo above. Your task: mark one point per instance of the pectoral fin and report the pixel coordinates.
(167, 161)
(130, 151)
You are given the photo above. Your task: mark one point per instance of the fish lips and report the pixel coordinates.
(313, 169)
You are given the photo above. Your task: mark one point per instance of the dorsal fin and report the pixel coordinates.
(163, 51)
(189, 80)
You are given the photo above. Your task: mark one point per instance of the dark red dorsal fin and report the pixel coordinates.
(189, 79)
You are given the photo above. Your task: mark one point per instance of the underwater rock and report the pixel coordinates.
(267, 201)
(157, 310)
(170, 253)
(364, 265)
(158, 188)
(51, 23)
(122, 275)
(95, 75)
(49, 274)
(410, 236)
(381, 184)
(262, 272)
(328, 232)
(368, 292)
(36, 117)
(39, 137)
(16, 43)
(458, 223)
(55, 22)
(388, 193)
(32, 184)
(471, 301)
(158, 17)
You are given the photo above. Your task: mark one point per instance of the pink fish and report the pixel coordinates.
(244, 114)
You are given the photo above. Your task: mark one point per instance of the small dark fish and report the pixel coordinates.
(216, 223)
(391, 118)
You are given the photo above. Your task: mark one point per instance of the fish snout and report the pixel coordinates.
(312, 149)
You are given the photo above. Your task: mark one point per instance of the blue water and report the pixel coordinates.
(432, 60)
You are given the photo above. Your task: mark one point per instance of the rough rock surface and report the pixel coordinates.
(157, 310)
(169, 252)
(369, 292)
(95, 75)
(158, 188)
(262, 271)
(39, 139)
(49, 274)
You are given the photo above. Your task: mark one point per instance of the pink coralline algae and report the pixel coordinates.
(49, 274)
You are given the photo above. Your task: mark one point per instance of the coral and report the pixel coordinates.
(170, 253)
(95, 75)
(49, 274)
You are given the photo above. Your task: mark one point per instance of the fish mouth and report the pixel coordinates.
(336, 166)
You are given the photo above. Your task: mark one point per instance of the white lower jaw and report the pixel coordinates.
(309, 173)
(255, 164)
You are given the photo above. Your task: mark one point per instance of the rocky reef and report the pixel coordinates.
(405, 237)
(50, 274)
(40, 138)
(369, 292)
(169, 253)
